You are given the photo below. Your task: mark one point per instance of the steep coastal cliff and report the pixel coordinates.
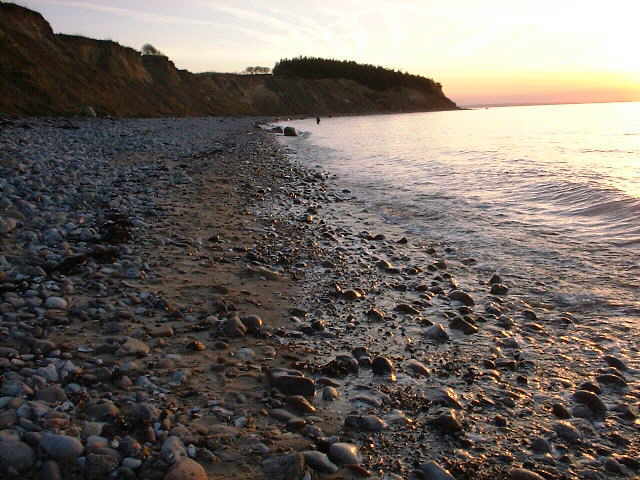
(42, 73)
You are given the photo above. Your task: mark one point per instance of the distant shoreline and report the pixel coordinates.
(535, 104)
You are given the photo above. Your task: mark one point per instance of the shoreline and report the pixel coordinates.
(405, 347)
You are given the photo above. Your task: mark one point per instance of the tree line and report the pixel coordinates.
(375, 77)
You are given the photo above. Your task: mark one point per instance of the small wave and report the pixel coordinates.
(580, 199)
(612, 150)
(581, 302)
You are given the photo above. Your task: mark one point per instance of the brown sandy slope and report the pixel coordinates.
(42, 73)
(200, 254)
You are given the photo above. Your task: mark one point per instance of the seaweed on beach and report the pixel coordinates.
(116, 228)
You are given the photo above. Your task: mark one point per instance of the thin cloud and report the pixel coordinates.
(126, 12)
(284, 26)
(165, 19)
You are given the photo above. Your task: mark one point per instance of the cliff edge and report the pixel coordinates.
(42, 73)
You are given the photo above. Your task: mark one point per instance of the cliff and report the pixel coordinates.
(42, 73)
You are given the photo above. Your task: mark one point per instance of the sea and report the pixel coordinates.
(547, 196)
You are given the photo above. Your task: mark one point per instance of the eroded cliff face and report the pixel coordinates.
(42, 73)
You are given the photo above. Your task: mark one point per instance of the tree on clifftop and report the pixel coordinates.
(148, 49)
(375, 77)
(256, 71)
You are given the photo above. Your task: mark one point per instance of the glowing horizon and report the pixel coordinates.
(496, 51)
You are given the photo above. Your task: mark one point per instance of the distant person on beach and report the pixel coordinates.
(317, 120)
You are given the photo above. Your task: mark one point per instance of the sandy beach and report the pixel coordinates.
(181, 299)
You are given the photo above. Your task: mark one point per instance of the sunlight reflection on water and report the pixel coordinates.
(554, 189)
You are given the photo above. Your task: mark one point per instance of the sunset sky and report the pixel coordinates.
(489, 51)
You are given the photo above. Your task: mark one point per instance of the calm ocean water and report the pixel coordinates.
(546, 194)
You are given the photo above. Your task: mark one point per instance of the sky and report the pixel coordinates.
(482, 51)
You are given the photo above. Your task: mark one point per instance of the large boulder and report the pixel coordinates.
(290, 132)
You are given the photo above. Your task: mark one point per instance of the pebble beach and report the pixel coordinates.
(183, 299)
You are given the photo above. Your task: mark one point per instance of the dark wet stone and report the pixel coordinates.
(582, 411)
(416, 368)
(629, 462)
(364, 362)
(294, 385)
(99, 466)
(499, 289)
(566, 431)
(290, 132)
(493, 309)
(328, 381)
(330, 394)
(534, 327)
(15, 388)
(500, 421)
(360, 352)
(615, 362)
(387, 266)
(186, 469)
(130, 447)
(340, 366)
(8, 418)
(448, 422)
(437, 332)
(295, 424)
(16, 456)
(590, 387)
(300, 404)
(382, 366)
(282, 414)
(505, 321)
(133, 346)
(318, 325)
(352, 294)
(524, 474)
(613, 466)
(440, 264)
(173, 450)
(459, 323)
(444, 396)
(367, 423)
(102, 411)
(376, 315)
(126, 473)
(615, 381)
(345, 454)
(462, 297)
(540, 445)
(374, 400)
(629, 413)
(433, 471)
(286, 467)
(50, 471)
(593, 401)
(560, 411)
(233, 327)
(319, 462)
(61, 447)
(253, 323)
(495, 278)
(406, 308)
